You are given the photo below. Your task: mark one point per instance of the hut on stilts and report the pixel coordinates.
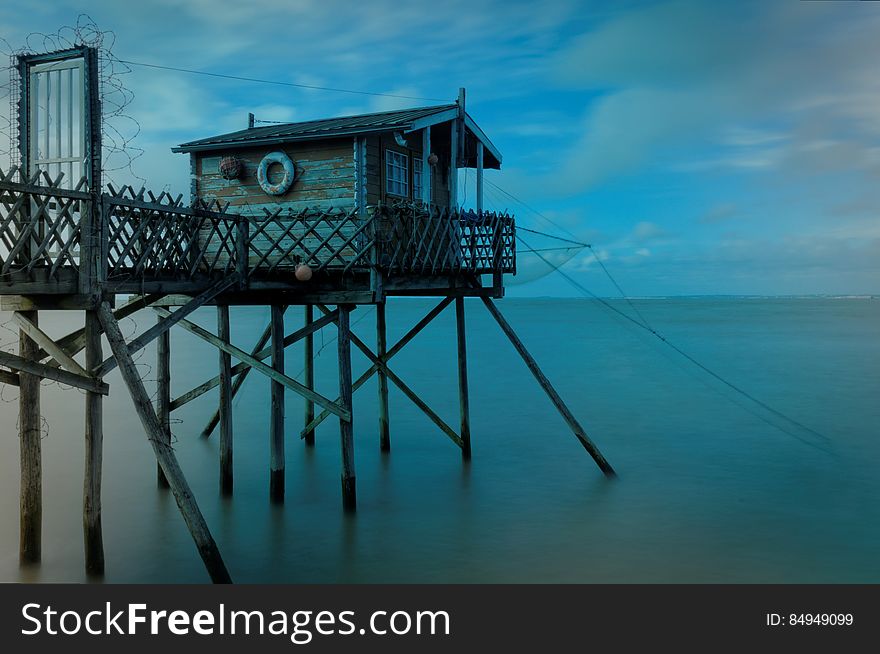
(326, 216)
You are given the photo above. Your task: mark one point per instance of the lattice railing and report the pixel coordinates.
(325, 239)
(135, 236)
(413, 239)
(159, 237)
(40, 223)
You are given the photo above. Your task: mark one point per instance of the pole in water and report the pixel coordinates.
(381, 346)
(349, 490)
(31, 499)
(309, 355)
(92, 530)
(276, 418)
(223, 332)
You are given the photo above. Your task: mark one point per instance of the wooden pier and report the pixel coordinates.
(67, 242)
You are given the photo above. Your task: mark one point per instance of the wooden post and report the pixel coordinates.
(309, 355)
(225, 407)
(479, 178)
(92, 532)
(463, 399)
(453, 165)
(427, 176)
(31, 499)
(575, 426)
(381, 351)
(163, 401)
(276, 418)
(349, 490)
(183, 495)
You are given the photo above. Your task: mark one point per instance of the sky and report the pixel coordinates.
(700, 147)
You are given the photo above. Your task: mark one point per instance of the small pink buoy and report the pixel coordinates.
(303, 273)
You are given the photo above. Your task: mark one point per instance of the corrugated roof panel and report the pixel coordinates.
(324, 127)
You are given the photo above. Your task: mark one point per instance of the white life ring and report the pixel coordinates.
(263, 173)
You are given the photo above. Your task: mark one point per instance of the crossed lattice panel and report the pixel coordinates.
(157, 235)
(39, 224)
(431, 241)
(323, 239)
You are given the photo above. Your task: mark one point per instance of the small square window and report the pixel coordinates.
(396, 173)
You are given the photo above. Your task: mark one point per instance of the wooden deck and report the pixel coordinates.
(78, 244)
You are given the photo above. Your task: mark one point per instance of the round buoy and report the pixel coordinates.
(303, 273)
(230, 168)
(263, 173)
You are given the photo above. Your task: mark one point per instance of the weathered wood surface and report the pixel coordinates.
(45, 341)
(545, 384)
(239, 382)
(463, 392)
(261, 367)
(404, 388)
(31, 366)
(406, 338)
(163, 398)
(346, 430)
(172, 319)
(226, 449)
(276, 416)
(30, 437)
(309, 365)
(75, 341)
(94, 440)
(384, 429)
(183, 495)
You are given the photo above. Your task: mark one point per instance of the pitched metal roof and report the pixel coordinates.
(324, 128)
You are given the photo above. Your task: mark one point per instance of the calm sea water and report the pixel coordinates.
(708, 491)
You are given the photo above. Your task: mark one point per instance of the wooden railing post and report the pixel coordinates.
(241, 249)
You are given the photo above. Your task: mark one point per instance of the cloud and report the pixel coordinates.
(647, 232)
(708, 76)
(719, 213)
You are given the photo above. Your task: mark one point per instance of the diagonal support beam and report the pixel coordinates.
(567, 415)
(406, 390)
(75, 342)
(236, 385)
(10, 378)
(42, 339)
(186, 502)
(240, 370)
(170, 320)
(255, 363)
(56, 374)
(405, 339)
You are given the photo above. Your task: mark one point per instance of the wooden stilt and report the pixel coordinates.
(31, 499)
(92, 530)
(381, 345)
(239, 380)
(309, 355)
(463, 400)
(349, 490)
(223, 332)
(163, 401)
(189, 509)
(575, 426)
(276, 420)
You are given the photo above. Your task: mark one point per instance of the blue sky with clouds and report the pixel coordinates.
(701, 147)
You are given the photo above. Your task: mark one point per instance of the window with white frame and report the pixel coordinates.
(396, 173)
(418, 180)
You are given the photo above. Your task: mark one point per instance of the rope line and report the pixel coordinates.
(645, 326)
(275, 82)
